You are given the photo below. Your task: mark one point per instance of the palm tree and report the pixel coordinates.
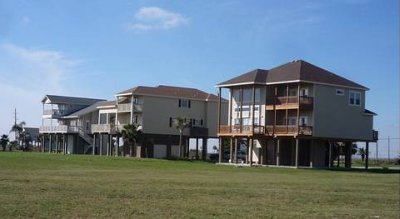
(131, 134)
(18, 129)
(4, 141)
(362, 152)
(181, 124)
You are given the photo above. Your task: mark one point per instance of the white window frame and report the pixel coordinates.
(355, 93)
(304, 92)
(305, 118)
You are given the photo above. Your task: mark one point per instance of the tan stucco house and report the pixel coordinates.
(296, 114)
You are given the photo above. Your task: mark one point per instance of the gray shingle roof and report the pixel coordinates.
(162, 90)
(84, 111)
(54, 99)
(293, 71)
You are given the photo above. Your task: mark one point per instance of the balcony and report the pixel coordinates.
(51, 113)
(104, 128)
(59, 129)
(289, 102)
(268, 130)
(289, 130)
(127, 108)
(241, 130)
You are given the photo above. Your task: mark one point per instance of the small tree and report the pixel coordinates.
(4, 141)
(18, 129)
(12, 145)
(362, 152)
(131, 134)
(181, 124)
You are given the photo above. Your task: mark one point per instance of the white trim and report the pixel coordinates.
(292, 81)
(177, 97)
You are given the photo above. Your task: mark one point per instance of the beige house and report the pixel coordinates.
(92, 126)
(296, 114)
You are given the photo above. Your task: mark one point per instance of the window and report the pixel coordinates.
(103, 118)
(304, 92)
(247, 95)
(292, 121)
(339, 92)
(355, 98)
(303, 120)
(183, 103)
(292, 92)
(135, 100)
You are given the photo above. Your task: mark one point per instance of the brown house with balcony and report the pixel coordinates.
(296, 114)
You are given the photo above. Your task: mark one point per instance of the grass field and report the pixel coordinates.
(53, 186)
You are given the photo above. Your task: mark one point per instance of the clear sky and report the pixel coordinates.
(97, 48)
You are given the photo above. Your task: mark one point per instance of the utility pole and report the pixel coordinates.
(388, 148)
(376, 155)
(15, 123)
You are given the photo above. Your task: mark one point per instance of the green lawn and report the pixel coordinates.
(51, 186)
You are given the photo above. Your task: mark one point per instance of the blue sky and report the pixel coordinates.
(85, 48)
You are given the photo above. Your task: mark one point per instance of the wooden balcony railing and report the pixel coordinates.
(290, 101)
(267, 130)
(245, 129)
(289, 129)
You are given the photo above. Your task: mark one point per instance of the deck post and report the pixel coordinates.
(221, 150)
(366, 154)
(43, 137)
(231, 151)
(204, 151)
(94, 145)
(101, 145)
(50, 144)
(236, 150)
(296, 161)
(251, 151)
(117, 145)
(278, 151)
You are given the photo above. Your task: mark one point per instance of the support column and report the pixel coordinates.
(251, 151)
(296, 161)
(204, 152)
(57, 142)
(236, 150)
(64, 143)
(43, 137)
(101, 145)
(197, 148)
(94, 145)
(366, 154)
(312, 153)
(117, 145)
(50, 144)
(347, 161)
(330, 155)
(278, 151)
(110, 145)
(221, 150)
(231, 151)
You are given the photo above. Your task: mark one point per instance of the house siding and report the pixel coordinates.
(335, 118)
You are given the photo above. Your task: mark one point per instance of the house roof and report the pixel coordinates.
(295, 71)
(54, 99)
(84, 111)
(369, 112)
(107, 104)
(170, 91)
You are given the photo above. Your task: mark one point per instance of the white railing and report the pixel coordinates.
(58, 129)
(103, 128)
(124, 107)
(51, 112)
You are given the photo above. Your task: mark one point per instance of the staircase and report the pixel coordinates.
(85, 136)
